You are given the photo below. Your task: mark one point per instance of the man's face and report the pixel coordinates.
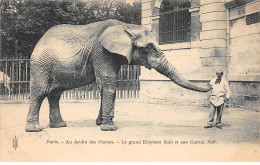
(219, 75)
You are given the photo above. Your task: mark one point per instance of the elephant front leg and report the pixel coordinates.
(109, 86)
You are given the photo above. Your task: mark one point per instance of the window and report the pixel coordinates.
(175, 20)
(253, 18)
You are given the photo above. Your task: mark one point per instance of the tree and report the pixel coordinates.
(25, 21)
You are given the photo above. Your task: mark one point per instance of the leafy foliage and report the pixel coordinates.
(25, 21)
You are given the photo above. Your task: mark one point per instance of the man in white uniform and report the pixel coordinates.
(220, 93)
(5, 79)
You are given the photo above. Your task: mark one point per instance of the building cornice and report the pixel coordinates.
(235, 3)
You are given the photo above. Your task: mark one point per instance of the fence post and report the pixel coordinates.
(5, 77)
(19, 79)
(26, 77)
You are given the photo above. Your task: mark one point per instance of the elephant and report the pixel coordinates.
(70, 56)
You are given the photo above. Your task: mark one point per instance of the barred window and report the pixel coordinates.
(175, 20)
(253, 18)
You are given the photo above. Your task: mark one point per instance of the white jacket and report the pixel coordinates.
(5, 79)
(219, 92)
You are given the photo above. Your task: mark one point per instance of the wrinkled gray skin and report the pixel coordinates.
(71, 56)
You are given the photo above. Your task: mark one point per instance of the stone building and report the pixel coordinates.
(200, 36)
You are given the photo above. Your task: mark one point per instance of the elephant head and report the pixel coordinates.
(139, 46)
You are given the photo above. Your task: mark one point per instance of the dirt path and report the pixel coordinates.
(146, 132)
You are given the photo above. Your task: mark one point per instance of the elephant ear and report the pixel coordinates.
(116, 40)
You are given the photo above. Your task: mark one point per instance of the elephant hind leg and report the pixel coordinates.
(55, 116)
(37, 96)
(32, 122)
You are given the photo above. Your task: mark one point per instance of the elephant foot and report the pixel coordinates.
(58, 124)
(33, 128)
(99, 121)
(108, 127)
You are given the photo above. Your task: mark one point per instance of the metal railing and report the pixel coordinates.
(15, 72)
(128, 86)
(175, 20)
(253, 18)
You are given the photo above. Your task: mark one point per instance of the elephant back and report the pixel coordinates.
(68, 45)
(66, 40)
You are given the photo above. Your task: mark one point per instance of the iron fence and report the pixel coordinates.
(15, 73)
(253, 18)
(175, 20)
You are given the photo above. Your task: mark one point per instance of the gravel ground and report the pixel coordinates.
(147, 132)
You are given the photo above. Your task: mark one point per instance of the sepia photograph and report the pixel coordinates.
(129, 80)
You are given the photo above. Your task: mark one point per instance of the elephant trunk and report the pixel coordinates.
(167, 69)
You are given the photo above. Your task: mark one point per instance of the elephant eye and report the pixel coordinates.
(150, 48)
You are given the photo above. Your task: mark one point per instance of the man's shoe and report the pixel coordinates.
(219, 126)
(208, 126)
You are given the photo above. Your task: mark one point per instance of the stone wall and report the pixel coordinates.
(166, 92)
(244, 49)
(244, 56)
(206, 52)
(213, 48)
(209, 49)
(245, 94)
